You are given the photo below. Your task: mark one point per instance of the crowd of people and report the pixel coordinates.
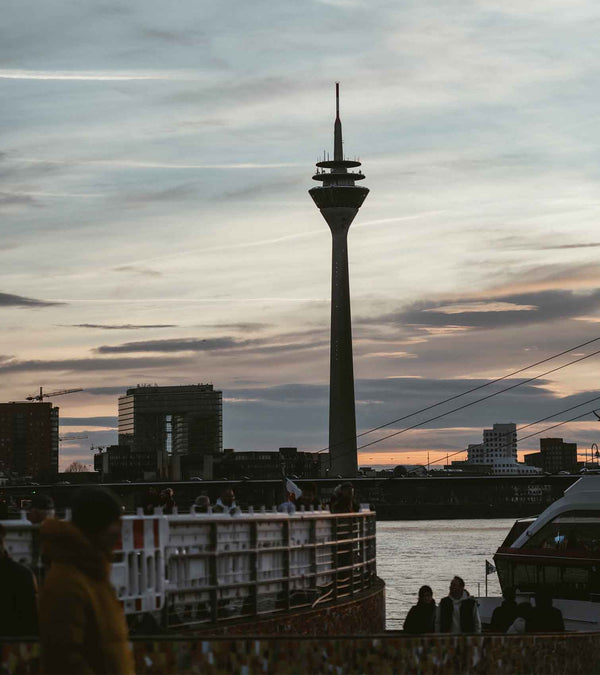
(458, 613)
(342, 500)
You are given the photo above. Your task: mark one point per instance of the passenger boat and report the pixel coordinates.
(558, 551)
(309, 572)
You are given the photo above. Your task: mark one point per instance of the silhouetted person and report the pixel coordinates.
(343, 501)
(82, 626)
(421, 617)
(226, 502)
(167, 501)
(546, 618)
(42, 507)
(151, 501)
(308, 498)
(202, 504)
(522, 622)
(457, 612)
(18, 596)
(506, 613)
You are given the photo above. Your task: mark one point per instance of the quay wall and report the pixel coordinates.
(362, 614)
(386, 654)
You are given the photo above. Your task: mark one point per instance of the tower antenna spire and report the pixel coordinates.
(338, 148)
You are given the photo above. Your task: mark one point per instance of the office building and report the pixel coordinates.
(171, 423)
(555, 455)
(29, 440)
(499, 451)
(117, 462)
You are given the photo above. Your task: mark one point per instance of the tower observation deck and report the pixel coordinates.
(338, 199)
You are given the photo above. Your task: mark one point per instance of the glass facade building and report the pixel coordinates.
(172, 422)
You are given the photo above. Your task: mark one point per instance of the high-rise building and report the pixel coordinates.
(172, 423)
(339, 200)
(29, 440)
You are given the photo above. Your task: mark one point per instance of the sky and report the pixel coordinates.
(156, 227)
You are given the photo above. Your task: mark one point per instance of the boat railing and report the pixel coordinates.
(201, 569)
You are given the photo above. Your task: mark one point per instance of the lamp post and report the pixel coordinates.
(596, 454)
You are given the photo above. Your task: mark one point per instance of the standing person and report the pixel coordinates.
(457, 612)
(82, 626)
(506, 613)
(344, 502)
(151, 500)
(18, 596)
(421, 617)
(226, 502)
(308, 498)
(167, 501)
(522, 622)
(545, 618)
(42, 507)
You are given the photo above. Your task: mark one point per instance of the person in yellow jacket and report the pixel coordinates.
(82, 625)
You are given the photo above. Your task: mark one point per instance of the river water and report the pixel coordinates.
(411, 553)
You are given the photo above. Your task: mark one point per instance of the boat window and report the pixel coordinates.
(568, 534)
(517, 529)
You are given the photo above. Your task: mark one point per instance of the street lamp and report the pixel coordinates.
(596, 454)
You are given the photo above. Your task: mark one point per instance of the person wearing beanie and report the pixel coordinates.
(42, 507)
(82, 625)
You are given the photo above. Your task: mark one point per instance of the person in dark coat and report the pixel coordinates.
(457, 612)
(421, 617)
(18, 596)
(545, 618)
(504, 615)
(343, 501)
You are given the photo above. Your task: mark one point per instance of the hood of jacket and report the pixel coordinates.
(65, 543)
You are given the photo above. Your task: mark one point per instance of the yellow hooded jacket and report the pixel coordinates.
(82, 626)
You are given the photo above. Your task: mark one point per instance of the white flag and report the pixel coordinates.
(292, 488)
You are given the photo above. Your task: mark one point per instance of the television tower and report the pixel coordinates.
(339, 199)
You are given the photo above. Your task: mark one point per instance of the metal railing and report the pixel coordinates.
(263, 564)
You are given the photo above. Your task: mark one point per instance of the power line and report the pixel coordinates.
(531, 424)
(479, 400)
(469, 391)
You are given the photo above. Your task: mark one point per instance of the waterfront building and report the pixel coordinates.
(339, 200)
(118, 462)
(29, 440)
(555, 455)
(175, 424)
(499, 451)
(265, 464)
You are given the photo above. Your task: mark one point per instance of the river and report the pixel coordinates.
(411, 553)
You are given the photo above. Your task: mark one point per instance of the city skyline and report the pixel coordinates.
(156, 226)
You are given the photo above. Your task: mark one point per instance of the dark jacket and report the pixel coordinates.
(82, 625)
(503, 616)
(18, 599)
(546, 620)
(467, 611)
(420, 619)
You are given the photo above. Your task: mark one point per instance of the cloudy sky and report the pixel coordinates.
(156, 226)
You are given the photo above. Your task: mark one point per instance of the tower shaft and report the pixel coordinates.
(342, 414)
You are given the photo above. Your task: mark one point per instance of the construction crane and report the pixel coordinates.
(71, 438)
(41, 396)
